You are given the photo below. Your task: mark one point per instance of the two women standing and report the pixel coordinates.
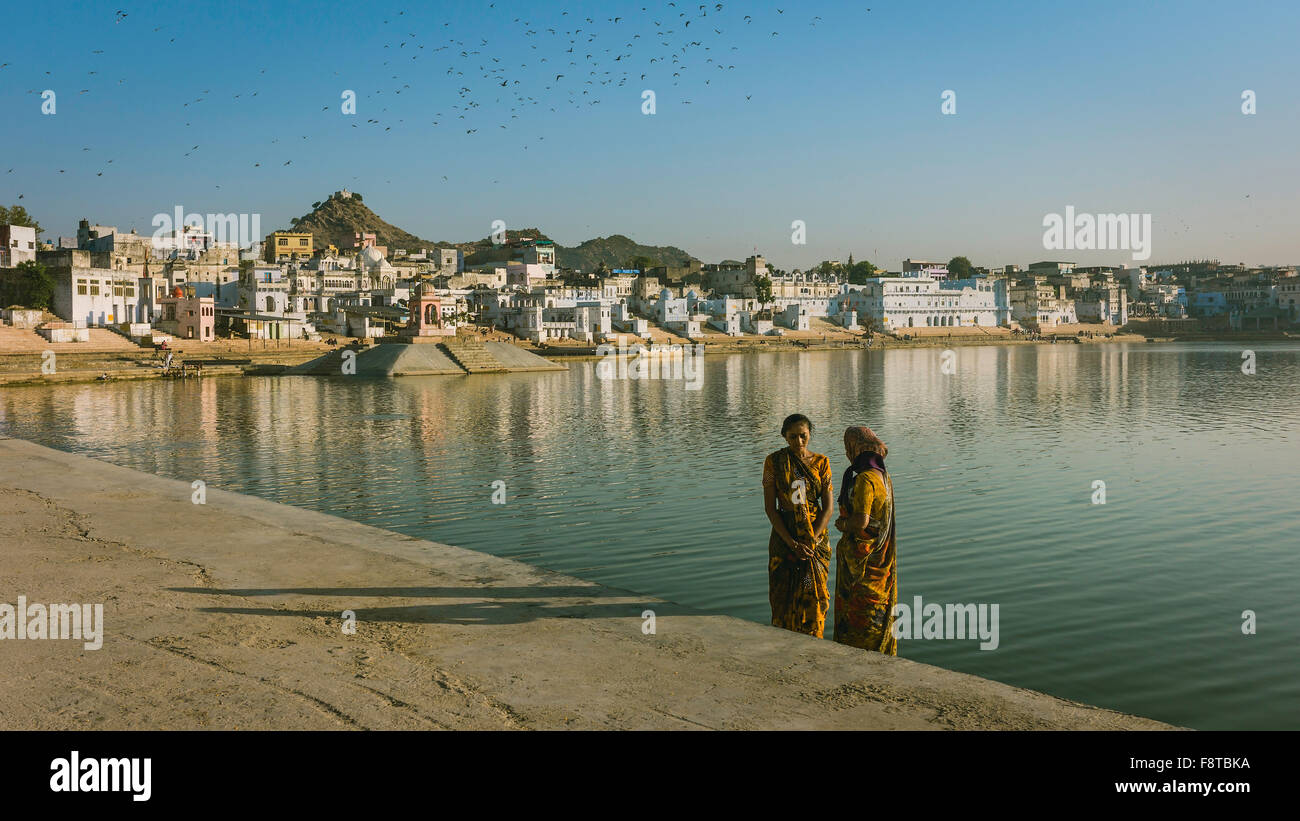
(797, 495)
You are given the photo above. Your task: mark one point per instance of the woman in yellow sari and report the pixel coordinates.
(797, 496)
(866, 577)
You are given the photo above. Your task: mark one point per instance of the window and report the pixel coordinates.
(81, 287)
(302, 243)
(130, 290)
(117, 290)
(283, 241)
(94, 287)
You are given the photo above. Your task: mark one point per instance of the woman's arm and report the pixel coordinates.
(863, 495)
(774, 516)
(856, 526)
(824, 518)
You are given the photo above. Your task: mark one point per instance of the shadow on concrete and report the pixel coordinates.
(483, 591)
(485, 605)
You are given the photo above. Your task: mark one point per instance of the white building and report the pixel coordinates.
(96, 296)
(1286, 296)
(751, 324)
(795, 317)
(1039, 304)
(724, 313)
(925, 268)
(528, 274)
(270, 298)
(375, 270)
(17, 245)
(492, 276)
(810, 305)
(450, 261)
(1138, 281)
(916, 300)
(622, 319)
(539, 316)
(187, 239)
(592, 321)
(674, 314)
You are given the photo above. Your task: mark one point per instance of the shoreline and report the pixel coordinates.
(244, 630)
(272, 361)
(586, 353)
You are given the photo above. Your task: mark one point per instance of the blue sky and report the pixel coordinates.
(1108, 107)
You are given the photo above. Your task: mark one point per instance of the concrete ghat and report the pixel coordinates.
(227, 615)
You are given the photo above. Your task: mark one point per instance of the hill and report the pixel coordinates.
(337, 220)
(616, 251)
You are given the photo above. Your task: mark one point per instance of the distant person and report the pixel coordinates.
(797, 497)
(866, 576)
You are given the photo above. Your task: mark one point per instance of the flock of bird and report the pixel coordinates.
(553, 62)
(493, 84)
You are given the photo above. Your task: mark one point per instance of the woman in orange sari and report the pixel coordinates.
(866, 577)
(797, 496)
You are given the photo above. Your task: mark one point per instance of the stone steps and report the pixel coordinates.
(331, 364)
(471, 355)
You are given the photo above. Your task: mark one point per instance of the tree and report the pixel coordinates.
(643, 263)
(32, 287)
(959, 267)
(763, 290)
(17, 215)
(860, 272)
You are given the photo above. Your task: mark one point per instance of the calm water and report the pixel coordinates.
(1135, 604)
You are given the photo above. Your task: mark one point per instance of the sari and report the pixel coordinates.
(866, 576)
(797, 587)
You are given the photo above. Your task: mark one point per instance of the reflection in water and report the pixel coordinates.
(1135, 604)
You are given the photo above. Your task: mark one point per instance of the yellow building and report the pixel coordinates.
(286, 244)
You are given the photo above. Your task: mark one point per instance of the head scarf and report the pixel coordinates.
(870, 455)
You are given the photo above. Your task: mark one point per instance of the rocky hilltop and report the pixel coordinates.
(339, 218)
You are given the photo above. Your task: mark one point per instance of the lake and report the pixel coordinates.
(1135, 604)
